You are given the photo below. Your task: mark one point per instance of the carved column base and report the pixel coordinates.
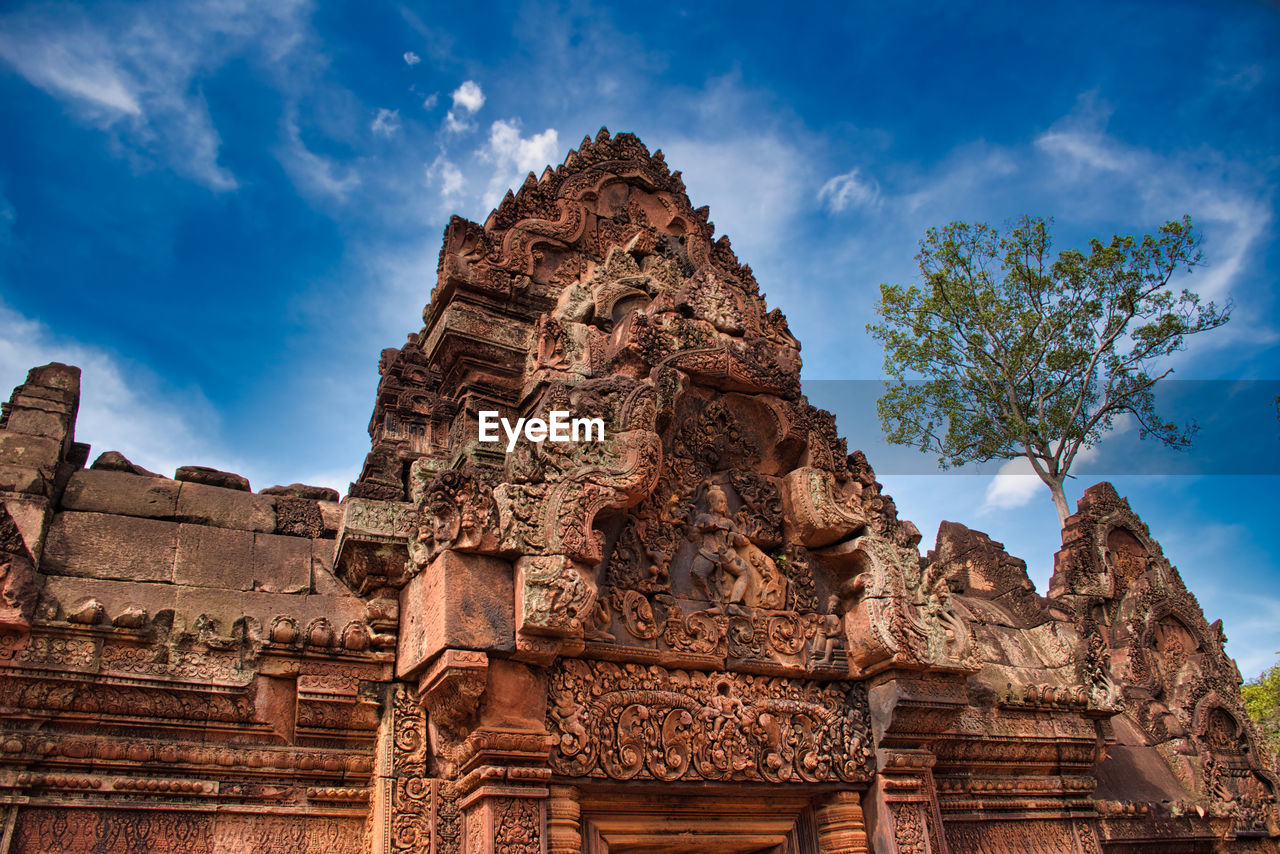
(504, 791)
(841, 829)
(505, 820)
(564, 821)
(902, 806)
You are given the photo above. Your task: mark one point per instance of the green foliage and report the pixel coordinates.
(1262, 699)
(1002, 351)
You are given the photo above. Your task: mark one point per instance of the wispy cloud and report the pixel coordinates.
(135, 72)
(513, 155)
(1232, 208)
(1015, 485)
(411, 58)
(849, 190)
(447, 178)
(386, 122)
(122, 406)
(315, 176)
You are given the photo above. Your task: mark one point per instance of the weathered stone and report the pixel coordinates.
(38, 452)
(132, 617)
(462, 601)
(331, 517)
(281, 564)
(86, 612)
(302, 490)
(225, 508)
(37, 422)
(298, 517)
(98, 545)
(19, 583)
(25, 479)
(212, 477)
(323, 580)
(107, 491)
(187, 604)
(214, 557)
(372, 543)
(116, 461)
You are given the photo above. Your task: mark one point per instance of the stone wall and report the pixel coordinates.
(180, 670)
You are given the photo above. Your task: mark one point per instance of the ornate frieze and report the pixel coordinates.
(633, 722)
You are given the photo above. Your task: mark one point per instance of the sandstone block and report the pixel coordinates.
(298, 517)
(323, 580)
(225, 508)
(302, 490)
(98, 545)
(331, 516)
(281, 564)
(25, 479)
(117, 597)
(35, 397)
(116, 461)
(29, 519)
(37, 422)
(212, 477)
(460, 601)
(214, 557)
(338, 610)
(55, 376)
(21, 449)
(104, 491)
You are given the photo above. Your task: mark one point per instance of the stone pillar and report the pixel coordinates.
(506, 820)
(503, 765)
(840, 826)
(400, 803)
(564, 821)
(903, 805)
(503, 791)
(38, 452)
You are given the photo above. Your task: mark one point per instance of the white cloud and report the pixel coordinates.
(135, 72)
(448, 177)
(314, 176)
(514, 155)
(453, 124)
(467, 100)
(950, 190)
(122, 408)
(1231, 210)
(849, 190)
(755, 185)
(1015, 485)
(411, 58)
(77, 64)
(430, 102)
(468, 97)
(386, 122)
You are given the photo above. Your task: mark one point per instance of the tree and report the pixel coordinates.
(1262, 699)
(1002, 352)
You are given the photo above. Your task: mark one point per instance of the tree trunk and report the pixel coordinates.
(1059, 501)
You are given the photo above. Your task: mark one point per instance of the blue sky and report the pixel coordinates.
(222, 211)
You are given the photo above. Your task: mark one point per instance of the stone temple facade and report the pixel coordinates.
(708, 632)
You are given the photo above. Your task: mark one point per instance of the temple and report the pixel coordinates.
(707, 631)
